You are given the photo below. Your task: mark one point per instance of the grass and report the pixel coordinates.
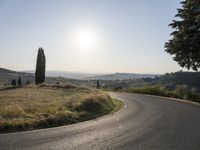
(34, 107)
(181, 92)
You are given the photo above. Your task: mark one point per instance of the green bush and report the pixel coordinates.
(181, 91)
(186, 93)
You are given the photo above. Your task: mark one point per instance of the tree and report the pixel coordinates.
(19, 82)
(13, 82)
(40, 67)
(27, 82)
(98, 85)
(185, 42)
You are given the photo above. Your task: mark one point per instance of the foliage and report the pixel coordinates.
(40, 67)
(19, 82)
(182, 92)
(27, 82)
(98, 84)
(99, 103)
(191, 79)
(186, 93)
(185, 44)
(13, 82)
(151, 90)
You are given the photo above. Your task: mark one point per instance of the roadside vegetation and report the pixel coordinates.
(181, 92)
(41, 106)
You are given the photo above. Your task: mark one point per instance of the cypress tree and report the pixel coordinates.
(185, 43)
(98, 84)
(27, 82)
(40, 67)
(19, 82)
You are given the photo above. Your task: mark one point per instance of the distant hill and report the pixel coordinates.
(67, 74)
(87, 76)
(170, 80)
(191, 79)
(122, 76)
(6, 76)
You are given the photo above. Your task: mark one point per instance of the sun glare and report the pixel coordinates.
(86, 40)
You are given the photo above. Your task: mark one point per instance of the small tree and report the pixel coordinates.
(13, 82)
(19, 82)
(98, 84)
(27, 82)
(185, 42)
(40, 67)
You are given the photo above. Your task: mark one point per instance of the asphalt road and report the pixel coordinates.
(146, 123)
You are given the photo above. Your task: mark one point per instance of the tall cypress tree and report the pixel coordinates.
(40, 67)
(98, 84)
(185, 43)
(19, 81)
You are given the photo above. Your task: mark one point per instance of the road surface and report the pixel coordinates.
(146, 123)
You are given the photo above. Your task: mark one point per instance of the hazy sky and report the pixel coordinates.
(87, 35)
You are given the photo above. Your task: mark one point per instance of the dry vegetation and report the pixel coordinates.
(47, 106)
(181, 92)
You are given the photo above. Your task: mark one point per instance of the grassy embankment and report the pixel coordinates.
(181, 92)
(35, 107)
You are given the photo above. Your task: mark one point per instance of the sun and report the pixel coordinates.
(86, 40)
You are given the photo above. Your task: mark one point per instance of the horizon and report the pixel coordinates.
(97, 73)
(88, 36)
(93, 73)
(78, 72)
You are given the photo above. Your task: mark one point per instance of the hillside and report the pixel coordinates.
(67, 74)
(6, 76)
(191, 79)
(123, 76)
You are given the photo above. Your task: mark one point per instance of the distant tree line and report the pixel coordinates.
(18, 82)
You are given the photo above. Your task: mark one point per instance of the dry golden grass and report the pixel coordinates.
(46, 106)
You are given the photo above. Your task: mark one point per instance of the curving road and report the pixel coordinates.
(146, 123)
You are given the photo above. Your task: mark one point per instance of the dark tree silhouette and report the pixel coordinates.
(98, 84)
(13, 82)
(40, 67)
(19, 82)
(185, 43)
(27, 82)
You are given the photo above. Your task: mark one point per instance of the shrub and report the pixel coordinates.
(13, 82)
(12, 111)
(99, 103)
(181, 91)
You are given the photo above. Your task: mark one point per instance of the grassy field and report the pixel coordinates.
(44, 106)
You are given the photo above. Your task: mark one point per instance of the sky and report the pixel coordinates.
(90, 36)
